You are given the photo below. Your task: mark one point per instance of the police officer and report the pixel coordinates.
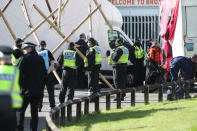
(81, 78)
(139, 72)
(18, 52)
(93, 64)
(119, 59)
(33, 75)
(49, 64)
(69, 60)
(10, 98)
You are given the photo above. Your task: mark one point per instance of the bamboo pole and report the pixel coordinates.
(45, 17)
(105, 18)
(76, 28)
(54, 21)
(100, 75)
(67, 40)
(4, 9)
(57, 77)
(59, 14)
(90, 21)
(8, 26)
(50, 10)
(42, 22)
(28, 20)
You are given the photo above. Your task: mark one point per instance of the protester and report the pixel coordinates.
(187, 65)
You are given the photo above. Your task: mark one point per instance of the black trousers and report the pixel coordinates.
(34, 112)
(93, 80)
(68, 83)
(50, 89)
(120, 76)
(8, 121)
(81, 78)
(139, 73)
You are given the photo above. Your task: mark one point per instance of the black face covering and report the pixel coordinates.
(19, 46)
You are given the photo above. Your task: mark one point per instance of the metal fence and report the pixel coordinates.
(143, 27)
(63, 112)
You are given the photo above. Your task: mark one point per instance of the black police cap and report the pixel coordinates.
(18, 40)
(29, 44)
(43, 42)
(92, 40)
(5, 51)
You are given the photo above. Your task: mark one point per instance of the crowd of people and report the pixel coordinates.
(25, 72)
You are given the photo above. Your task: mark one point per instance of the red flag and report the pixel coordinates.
(168, 19)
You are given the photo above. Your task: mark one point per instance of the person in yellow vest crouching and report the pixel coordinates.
(18, 52)
(10, 98)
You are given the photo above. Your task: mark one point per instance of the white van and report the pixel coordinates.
(73, 14)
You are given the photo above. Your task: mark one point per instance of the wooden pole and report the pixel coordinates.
(4, 9)
(50, 10)
(59, 14)
(54, 21)
(45, 17)
(28, 20)
(57, 77)
(90, 21)
(105, 18)
(66, 39)
(100, 75)
(42, 22)
(8, 26)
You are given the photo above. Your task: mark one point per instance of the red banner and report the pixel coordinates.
(168, 19)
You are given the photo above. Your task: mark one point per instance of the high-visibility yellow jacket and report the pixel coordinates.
(9, 84)
(70, 59)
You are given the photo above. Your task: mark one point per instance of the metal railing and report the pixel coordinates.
(58, 116)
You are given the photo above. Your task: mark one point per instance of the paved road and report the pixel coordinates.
(46, 109)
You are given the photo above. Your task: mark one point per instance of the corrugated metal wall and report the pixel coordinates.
(143, 27)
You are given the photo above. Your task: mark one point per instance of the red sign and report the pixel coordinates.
(135, 2)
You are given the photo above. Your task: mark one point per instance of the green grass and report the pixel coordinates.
(167, 116)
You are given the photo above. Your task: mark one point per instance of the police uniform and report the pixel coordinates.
(139, 72)
(17, 53)
(10, 98)
(69, 60)
(33, 75)
(92, 64)
(48, 57)
(118, 60)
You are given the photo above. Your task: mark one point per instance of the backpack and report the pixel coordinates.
(155, 54)
(179, 93)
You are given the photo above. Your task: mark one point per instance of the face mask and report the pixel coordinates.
(19, 46)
